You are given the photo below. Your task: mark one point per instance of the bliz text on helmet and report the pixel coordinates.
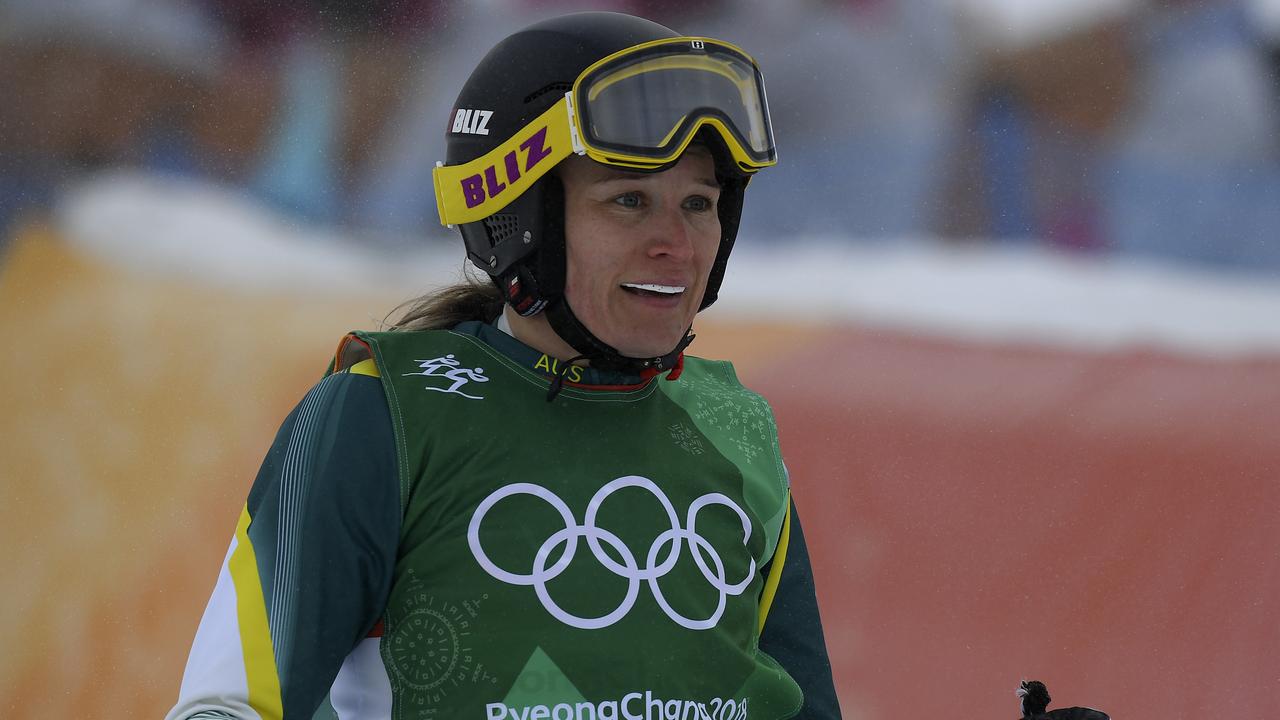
(486, 184)
(472, 122)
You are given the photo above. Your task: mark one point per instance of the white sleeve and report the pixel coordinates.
(215, 682)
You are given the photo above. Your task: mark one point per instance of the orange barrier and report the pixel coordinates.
(980, 514)
(977, 513)
(137, 411)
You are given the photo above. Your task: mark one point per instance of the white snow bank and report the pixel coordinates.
(197, 233)
(993, 292)
(223, 236)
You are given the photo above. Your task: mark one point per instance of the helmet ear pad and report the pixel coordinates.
(729, 207)
(522, 247)
(549, 262)
(733, 187)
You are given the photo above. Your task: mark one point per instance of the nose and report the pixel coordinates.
(669, 234)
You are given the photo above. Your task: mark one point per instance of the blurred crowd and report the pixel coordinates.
(1101, 126)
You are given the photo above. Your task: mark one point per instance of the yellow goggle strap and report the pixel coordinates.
(477, 189)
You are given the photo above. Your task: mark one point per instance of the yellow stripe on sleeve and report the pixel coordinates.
(255, 634)
(775, 570)
(365, 367)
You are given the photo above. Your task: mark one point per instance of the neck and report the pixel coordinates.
(536, 332)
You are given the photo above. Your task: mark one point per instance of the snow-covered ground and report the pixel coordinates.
(213, 235)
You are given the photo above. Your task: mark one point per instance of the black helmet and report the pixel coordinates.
(495, 140)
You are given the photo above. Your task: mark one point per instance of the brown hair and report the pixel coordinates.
(474, 299)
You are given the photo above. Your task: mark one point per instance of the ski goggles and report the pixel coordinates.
(637, 109)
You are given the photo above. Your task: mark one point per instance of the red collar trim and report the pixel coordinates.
(646, 375)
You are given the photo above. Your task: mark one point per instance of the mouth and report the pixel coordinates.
(654, 290)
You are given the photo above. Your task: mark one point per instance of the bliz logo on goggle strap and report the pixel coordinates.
(486, 185)
(472, 122)
(630, 568)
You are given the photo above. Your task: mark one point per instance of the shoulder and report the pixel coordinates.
(338, 433)
(713, 370)
(703, 376)
(361, 345)
(349, 397)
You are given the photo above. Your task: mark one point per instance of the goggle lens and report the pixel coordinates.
(646, 104)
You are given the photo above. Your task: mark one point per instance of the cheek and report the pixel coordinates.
(708, 247)
(585, 273)
(577, 228)
(573, 275)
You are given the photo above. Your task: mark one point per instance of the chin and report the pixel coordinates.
(638, 336)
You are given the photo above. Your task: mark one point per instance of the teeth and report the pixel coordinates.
(664, 289)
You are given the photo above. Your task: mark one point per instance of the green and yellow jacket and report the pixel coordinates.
(429, 537)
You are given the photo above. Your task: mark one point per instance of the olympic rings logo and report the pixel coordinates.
(706, 557)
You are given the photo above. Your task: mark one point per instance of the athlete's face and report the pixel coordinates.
(640, 248)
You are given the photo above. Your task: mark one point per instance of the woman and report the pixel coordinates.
(497, 509)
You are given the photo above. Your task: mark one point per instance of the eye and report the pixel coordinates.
(628, 200)
(699, 203)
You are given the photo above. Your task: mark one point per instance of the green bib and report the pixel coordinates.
(597, 557)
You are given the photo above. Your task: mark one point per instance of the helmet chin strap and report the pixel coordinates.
(601, 354)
